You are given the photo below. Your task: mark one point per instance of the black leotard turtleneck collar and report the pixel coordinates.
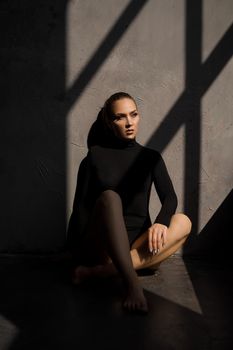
(116, 142)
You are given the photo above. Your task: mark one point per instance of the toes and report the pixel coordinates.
(140, 307)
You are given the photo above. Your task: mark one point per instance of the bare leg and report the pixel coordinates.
(108, 216)
(177, 233)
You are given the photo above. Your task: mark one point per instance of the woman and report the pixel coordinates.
(110, 230)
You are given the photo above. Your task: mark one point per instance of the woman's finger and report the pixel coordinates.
(164, 236)
(150, 245)
(156, 238)
(154, 242)
(160, 240)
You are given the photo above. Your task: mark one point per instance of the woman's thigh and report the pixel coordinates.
(92, 249)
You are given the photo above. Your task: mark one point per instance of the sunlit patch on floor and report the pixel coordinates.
(172, 282)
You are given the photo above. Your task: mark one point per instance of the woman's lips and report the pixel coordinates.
(129, 131)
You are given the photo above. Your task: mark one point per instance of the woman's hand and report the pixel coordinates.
(157, 237)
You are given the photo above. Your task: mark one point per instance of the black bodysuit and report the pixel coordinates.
(129, 169)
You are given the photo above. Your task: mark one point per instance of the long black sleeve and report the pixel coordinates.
(166, 192)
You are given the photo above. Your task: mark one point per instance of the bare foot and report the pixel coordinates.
(135, 300)
(81, 274)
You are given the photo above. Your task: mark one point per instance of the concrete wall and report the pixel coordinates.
(33, 126)
(61, 60)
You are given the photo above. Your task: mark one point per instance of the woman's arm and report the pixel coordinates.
(166, 192)
(157, 233)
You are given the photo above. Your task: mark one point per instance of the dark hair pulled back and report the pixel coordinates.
(100, 132)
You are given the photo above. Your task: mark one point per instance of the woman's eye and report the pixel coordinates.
(135, 114)
(117, 118)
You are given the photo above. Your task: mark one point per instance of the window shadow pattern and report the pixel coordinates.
(186, 110)
(49, 151)
(33, 130)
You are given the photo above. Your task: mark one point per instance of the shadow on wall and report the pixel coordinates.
(32, 157)
(33, 161)
(186, 111)
(213, 242)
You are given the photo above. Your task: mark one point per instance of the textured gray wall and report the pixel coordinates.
(61, 60)
(33, 126)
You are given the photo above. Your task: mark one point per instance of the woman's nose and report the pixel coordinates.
(129, 121)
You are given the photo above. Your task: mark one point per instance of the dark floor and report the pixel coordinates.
(190, 308)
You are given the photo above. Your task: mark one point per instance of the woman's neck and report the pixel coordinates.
(117, 142)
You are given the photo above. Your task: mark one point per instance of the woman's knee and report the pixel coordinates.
(108, 197)
(183, 221)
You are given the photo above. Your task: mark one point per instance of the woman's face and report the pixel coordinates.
(125, 119)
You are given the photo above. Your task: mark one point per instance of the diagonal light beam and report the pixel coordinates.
(96, 61)
(217, 60)
(209, 71)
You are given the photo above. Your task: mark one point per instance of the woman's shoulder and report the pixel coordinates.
(93, 150)
(95, 153)
(150, 151)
